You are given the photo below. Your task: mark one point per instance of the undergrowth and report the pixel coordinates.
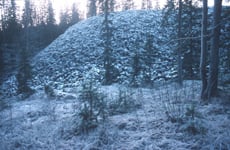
(124, 102)
(181, 109)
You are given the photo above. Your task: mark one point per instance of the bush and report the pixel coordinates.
(192, 122)
(174, 112)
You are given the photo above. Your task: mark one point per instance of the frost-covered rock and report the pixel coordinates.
(9, 87)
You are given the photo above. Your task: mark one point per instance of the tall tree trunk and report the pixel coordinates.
(179, 69)
(211, 90)
(203, 58)
(190, 69)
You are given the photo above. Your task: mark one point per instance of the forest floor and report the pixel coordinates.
(167, 117)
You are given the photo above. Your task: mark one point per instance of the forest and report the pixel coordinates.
(117, 74)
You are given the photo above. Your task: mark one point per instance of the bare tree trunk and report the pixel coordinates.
(203, 58)
(179, 69)
(211, 90)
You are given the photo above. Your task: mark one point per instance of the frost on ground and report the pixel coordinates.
(168, 118)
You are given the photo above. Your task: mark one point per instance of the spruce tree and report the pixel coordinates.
(74, 15)
(92, 8)
(148, 58)
(136, 68)
(64, 20)
(106, 35)
(179, 47)
(27, 19)
(146, 4)
(24, 74)
(12, 27)
(128, 4)
(50, 24)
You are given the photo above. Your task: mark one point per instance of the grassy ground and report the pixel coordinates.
(164, 117)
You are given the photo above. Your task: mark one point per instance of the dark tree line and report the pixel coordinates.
(21, 37)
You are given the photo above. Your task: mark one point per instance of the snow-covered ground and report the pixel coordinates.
(42, 123)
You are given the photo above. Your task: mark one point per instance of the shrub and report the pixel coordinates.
(174, 112)
(189, 118)
(193, 123)
(93, 107)
(124, 103)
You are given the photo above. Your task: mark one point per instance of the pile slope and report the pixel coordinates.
(65, 61)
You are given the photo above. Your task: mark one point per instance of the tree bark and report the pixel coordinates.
(211, 90)
(203, 58)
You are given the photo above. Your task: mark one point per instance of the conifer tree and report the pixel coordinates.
(12, 27)
(64, 20)
(146, 4)
(2, 5)
(128, 4)
(148, 58)
(136, 68)
(50, 24)
(27, 19)
(179, 51)
(92, 8)
(106, 34)
(50, 20)
(24, 74)
(74, 15)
